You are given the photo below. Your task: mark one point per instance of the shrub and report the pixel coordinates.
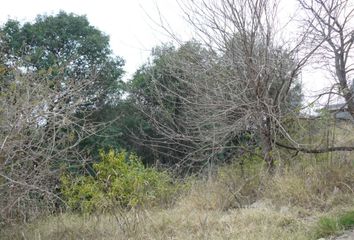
(120, 180)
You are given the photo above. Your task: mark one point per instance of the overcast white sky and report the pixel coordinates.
(129, 23)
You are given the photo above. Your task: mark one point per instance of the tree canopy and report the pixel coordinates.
(65, 46)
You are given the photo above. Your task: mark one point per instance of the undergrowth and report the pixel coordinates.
(304, 200)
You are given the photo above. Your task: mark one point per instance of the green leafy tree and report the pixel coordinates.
(123, 130)
(67, 46)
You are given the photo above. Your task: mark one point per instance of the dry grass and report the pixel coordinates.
(229, 206)
(320, 186)
(262, 222)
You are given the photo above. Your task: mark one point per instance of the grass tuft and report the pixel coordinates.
(328, 226)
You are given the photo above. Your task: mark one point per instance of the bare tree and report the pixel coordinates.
(238, 80)
(41, 125)
(331, 27)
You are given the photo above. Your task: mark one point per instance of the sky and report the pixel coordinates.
(134, 26)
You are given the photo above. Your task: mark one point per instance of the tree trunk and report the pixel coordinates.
(266, 142)
(343, 82)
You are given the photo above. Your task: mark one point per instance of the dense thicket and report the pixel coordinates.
(56, 75)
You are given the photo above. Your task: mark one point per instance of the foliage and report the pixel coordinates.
(120, 180)
(123, 125)
(67, 46)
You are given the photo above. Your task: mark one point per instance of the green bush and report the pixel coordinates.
(120, 180)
